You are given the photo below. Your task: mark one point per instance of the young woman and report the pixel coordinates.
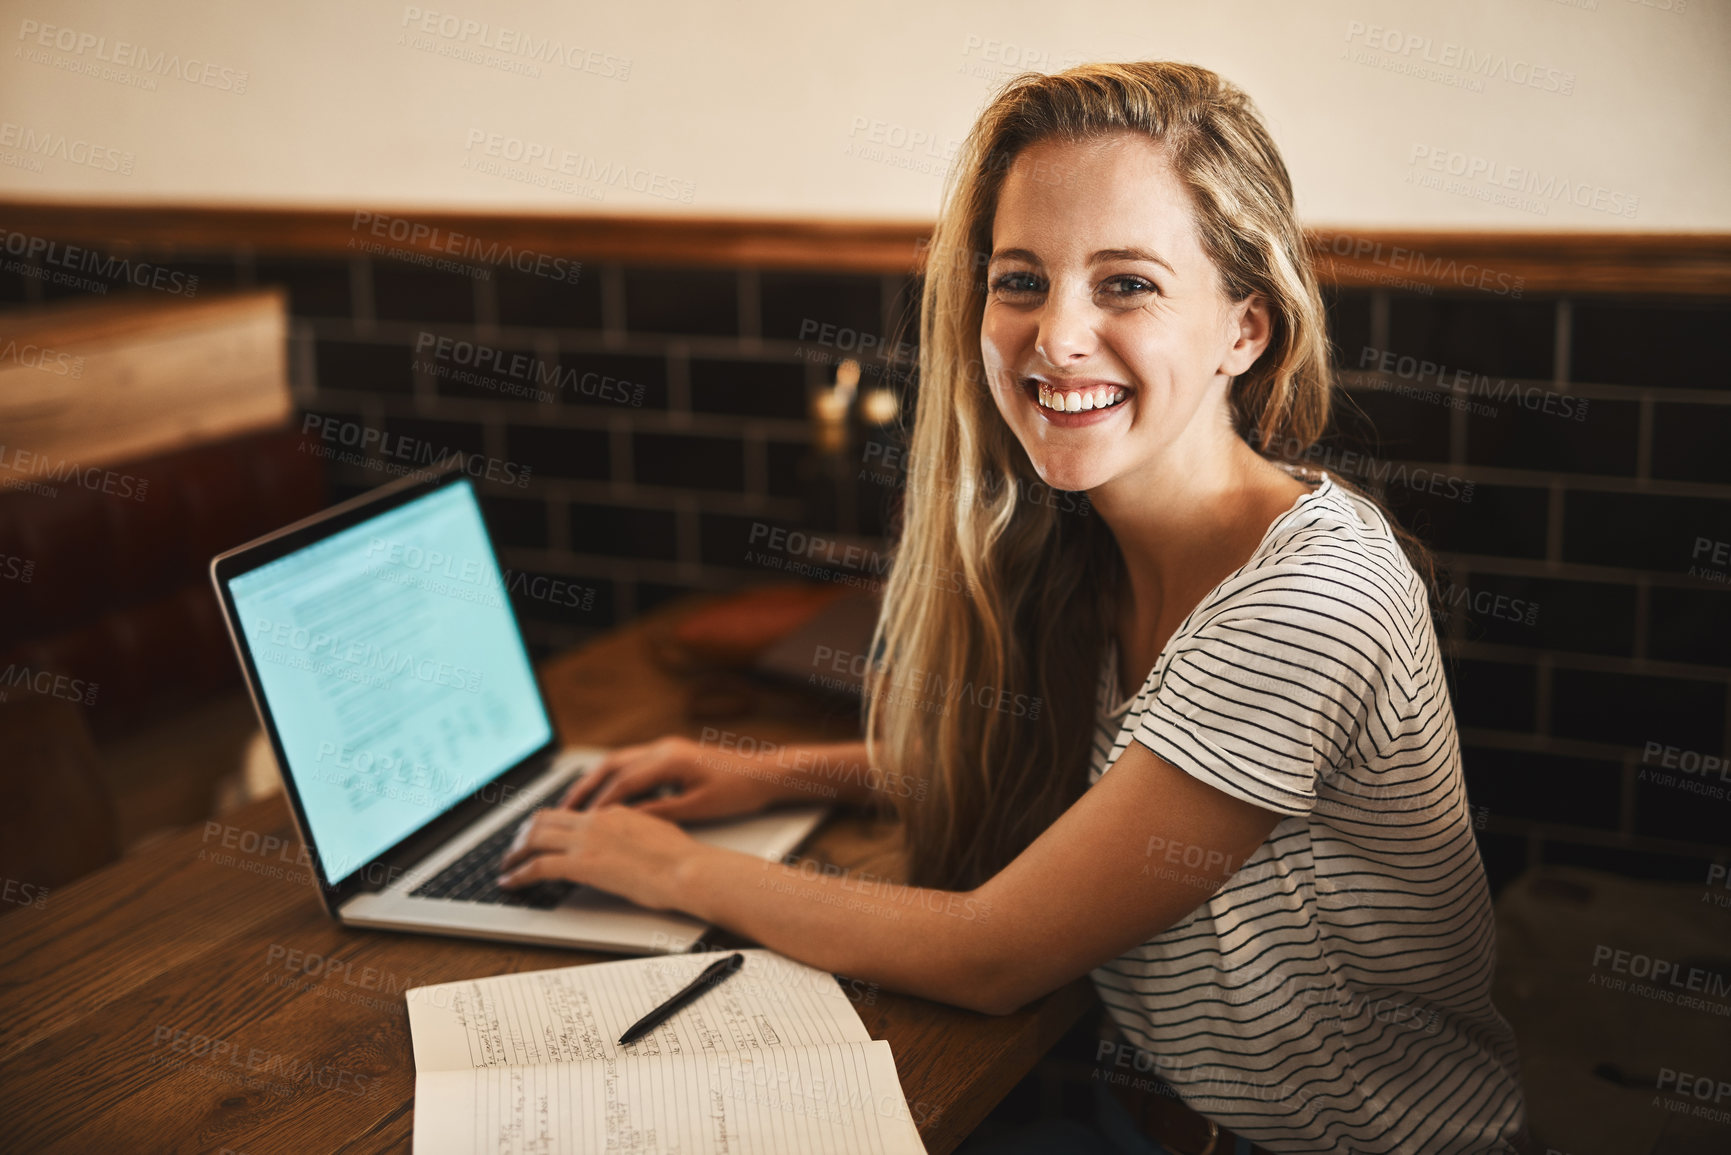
(1240, 806)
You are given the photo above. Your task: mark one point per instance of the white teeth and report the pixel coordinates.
(1076, 402)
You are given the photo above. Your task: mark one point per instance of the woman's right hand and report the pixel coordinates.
(711, 783)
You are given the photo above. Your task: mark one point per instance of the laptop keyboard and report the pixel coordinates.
(471, 878)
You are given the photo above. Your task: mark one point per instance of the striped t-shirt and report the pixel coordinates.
(1334, 994)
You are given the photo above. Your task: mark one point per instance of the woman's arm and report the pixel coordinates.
(1135, 854)
(715, 778)
(837, 772)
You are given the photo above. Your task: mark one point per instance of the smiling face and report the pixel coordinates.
(1106, 338)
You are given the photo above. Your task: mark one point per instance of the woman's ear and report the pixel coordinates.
(1250, 327)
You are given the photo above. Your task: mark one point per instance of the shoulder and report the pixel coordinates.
(1332, 569)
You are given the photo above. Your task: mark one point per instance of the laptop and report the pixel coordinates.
(383, 655)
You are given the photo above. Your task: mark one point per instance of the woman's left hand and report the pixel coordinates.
(617, 849)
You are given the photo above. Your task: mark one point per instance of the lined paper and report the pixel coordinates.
(576, 1014)
(843, 1099)
(774, 1059)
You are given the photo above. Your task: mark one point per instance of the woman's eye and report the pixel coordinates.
(1014, 284)
(1129, 286)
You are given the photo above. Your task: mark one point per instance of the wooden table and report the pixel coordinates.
(194, 997)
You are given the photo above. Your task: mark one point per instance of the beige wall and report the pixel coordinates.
(778, 107)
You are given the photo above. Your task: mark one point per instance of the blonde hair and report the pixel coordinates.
(1028, 624)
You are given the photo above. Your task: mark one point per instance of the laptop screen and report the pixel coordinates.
(389, 659)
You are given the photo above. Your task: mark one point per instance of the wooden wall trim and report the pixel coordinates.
(1644, 264)
(1501, 263)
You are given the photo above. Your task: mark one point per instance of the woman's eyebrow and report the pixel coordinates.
(1131, 254)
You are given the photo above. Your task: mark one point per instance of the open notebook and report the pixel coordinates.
(774, 1059)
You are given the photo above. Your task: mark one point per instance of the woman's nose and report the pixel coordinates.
(1066, 327)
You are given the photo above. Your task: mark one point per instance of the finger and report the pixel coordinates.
(534, 834)
(547, 830)
(579, 791)
(540, 868)
(679, 807)
(582, 792)
(635, 780)
(609, 765)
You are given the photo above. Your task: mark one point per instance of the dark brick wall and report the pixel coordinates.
(1566, 458)
(1584, 616)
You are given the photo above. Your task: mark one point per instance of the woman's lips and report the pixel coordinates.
(1114, 396)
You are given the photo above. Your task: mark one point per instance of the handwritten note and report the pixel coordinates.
(774, 1059)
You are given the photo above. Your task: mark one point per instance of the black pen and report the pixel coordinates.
(712, 974)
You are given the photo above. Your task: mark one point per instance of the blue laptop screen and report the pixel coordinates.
(389, 659)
